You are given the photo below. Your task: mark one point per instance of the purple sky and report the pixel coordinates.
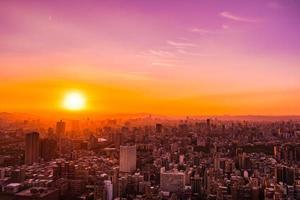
(197, 47)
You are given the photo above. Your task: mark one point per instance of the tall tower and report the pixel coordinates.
(60, 132)
(31, 148)
(60, 128)
(127, 159)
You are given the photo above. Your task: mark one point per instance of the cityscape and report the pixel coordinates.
(148, 157)
(150, 100)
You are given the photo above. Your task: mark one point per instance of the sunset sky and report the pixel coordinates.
(164, 57)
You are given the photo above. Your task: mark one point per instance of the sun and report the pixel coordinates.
(74, 101)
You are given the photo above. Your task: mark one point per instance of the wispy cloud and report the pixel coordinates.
(223, 29)
(200, 30)
(159, 57)
(180, 44)
(187, 53)
(209, 31)
(162, 64)
(234, 17)
(161, 53)
(157, 54)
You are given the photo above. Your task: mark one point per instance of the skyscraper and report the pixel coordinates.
(127, 159)
(109, 189)
(31, 148)
(60, 128)
(60, 132)
(196, 184)
(48, 149)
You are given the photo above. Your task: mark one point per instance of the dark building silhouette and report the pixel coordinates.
(31, 148)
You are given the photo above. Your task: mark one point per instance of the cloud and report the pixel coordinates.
(181, 51)
(161, 53)
(162, 64)
(160, 57)
(201, 30)
(234, 17)
(208, 31)
(180, 44)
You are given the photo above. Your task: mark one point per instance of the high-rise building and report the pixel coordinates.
(31, 148)
(172, 181)
(196, 184)
(285, 174)
(48, 149)
(115, 182)
(290, 176)
(117, 139)
(127, 159)
(158, 128)
(60, 133)
(109, 189)
(60, 128)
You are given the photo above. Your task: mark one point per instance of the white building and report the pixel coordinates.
(109, 189)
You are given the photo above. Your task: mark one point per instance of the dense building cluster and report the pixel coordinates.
(150, 158)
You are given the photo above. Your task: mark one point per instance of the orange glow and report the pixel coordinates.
(202, 59)
(44, 97)
(74, 101)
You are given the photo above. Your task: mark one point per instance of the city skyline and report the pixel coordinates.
(150, 100)
(167, 58)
